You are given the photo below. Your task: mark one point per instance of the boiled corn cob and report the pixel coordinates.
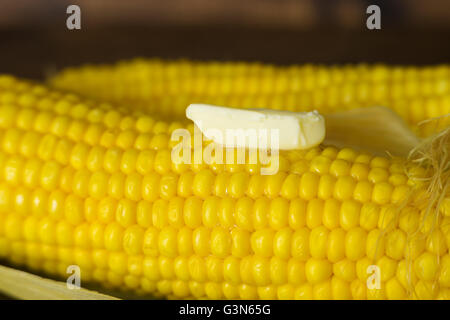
(87, 184)
(166, 88)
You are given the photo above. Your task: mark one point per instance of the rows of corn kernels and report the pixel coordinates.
(92, 184)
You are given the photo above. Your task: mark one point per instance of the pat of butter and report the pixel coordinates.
(258, 128)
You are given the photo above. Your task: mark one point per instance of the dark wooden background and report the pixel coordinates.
(34, 41)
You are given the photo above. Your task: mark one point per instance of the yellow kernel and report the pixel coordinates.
(197, 268)
(214, 268)
(309, 184)
(12, 170)
(113, 236)
(30, 172)
(29, 143)
(261, 270)
(317, 270)
(192, 212)
(151, 269)
(185, 183)
(237, 184)
(426, 290)
(96, 235)
(331, 216)
(388, 268)
(81, 236)
(382, 192)
(167, 242)
(221, 242)
(358, 289)
(184, 242)
(349, 214)
(426, 266)
(297, 214)
(394, 290)
(363, 191)
(326, 186)
(203, 182)
(300, 247)
(322, 291)
(359, 171)
(145, 161)
(73, 209)
(150, 186)
(355, 243)
(126, 212)
(444, 273)
(304, 292)
(11, 140)
(201, 238)
(344, 188)
(278, 213)
(98, 184)
(273, 184)
(369, 216)
(320, 164)
(436, 242)
(396, 244)
(159, 213)
(264, 293)
(106, 210)
(286, 292)
(128, 161)
(180, 267)
(162, 162)
(133, 189)
(47, 231)
(318, 242)
(65, 182)
(339, 168)
(379, 162)
(226, 212)
(240, 242)
(289, 190)
(295, 271)
(336, 245)
(132, 240)
(377, 175)
(314, 213)
(340, 289)
(255, 188)
(168, 186)
(278, 271)
(80, 182)
(347, 154)
(150, 242)
(231, 270)
(111, 160)
(345, 270)
(175, 212)
(262, 242)
(22, 203)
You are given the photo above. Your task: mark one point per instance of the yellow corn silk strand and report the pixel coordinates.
(86, 184)
(165, 88)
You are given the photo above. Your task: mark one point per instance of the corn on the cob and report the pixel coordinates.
(87, 184)
(166, 88)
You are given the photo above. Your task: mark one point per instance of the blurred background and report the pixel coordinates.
(34, 40)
